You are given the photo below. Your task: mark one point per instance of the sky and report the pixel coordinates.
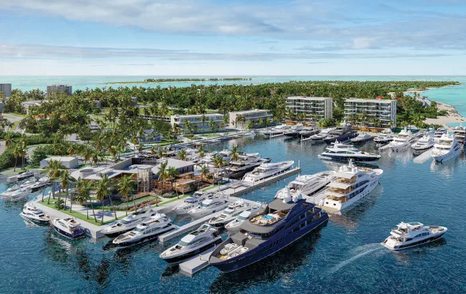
(232, 37)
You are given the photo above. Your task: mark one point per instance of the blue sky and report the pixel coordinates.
(205, 37)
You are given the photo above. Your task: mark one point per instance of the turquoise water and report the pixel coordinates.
(343, 257)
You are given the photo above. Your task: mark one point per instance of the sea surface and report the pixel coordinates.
(345, 256)
(455, 95)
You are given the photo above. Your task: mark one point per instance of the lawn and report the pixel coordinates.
(75, 214)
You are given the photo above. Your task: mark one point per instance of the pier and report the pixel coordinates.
(196, 264)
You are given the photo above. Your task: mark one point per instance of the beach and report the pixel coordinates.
(452, 117)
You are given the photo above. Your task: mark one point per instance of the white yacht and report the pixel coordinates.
(228, 214)
(407, 235)
(20, 177)
(439, 132)
(423, 144)
(460, 134)
(149, 229)
(267, 170)
(15, 193)
(383, 139)
(319, 137)
(446, 148)
(402, 141)
(362, 138)
(41, 183)
(350, 185)
(196, 242)
(33, 214)
(345, 152)
(234, 225)
(208, 206)
(306, 185)
(191, 202)
(68, 228)
(129, 222)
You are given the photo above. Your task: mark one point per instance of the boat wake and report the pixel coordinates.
(358, 252)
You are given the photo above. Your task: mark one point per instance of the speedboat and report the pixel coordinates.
(306, 185)
(234, 225)
(446, 148)
(362, 138)
(149, 229)
(407, 235)
(423, 144)
(403, 141)
(281, 223)
(20, 177)
(196, 242)
(33, 214)
(41, 183)
(208, 206)
(228, 214)
(350, 185)
(129, 222)
(341, 134)
(345, 152)
(267, 170)
(68, 228)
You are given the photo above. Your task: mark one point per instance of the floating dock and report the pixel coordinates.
(196, 264)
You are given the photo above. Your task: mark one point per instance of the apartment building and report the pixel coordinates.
(198, 123)
(371, 112)
(58, 89)
(310, 108)
(249, 119)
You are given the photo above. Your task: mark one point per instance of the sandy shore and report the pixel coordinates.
(452, 117)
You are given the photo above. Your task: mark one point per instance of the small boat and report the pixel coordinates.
(20, 177)
(267, 170)
(345, 152)
(68, 228)
(15, 193)
(195, 243)
(228, 214)
(407, 235)
(362, 138)
(129, 222)
(33, 214)
(41, 183)
(439, 132)
(208, 206)
(150, 229)
(446, 148)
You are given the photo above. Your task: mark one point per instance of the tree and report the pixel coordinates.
(65, 183)
(172, 173)
(218, 161)
(103, 191)
(83, 190)
(125, 188)
(53, 172)
(182, 154)
(235, 153)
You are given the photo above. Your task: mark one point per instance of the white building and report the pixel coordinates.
(311, 108)
(27, 105)
(371, 112)
(69, 162)
(249, 118)
(5, 89)
(199, 123)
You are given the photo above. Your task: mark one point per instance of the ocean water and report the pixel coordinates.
(343, 257)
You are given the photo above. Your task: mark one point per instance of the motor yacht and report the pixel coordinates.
(345, 152)
(306, 133)
(294, 131)
(281, 223)
(191, 202)
(68, 228)
(267, 170)
(350, 185)
(383, 139)
(20, 177)
(276, 131)
(423, 144)
(245, 163)
(41, 183)
(402, 141)
(408, 235)
(149, 229)
(33, 214)
(362, 138)
(204, 238)
(128, 222)
(439, 132)
(208, 206)
(319, 137)
(15, 193)
(341, 134)
(306, 185)
(228, 214)
(460, 134)
(446, 148)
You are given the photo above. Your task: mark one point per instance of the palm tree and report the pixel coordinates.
(172, 172)
(205, 171)
(83, 189)
(234, 153)
(103, 190)
(126, 187)
(182, 154)
(65, 183)
(163, 174)
(53, 172)
(218, 161)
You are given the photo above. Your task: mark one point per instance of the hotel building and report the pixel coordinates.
(200, 123)
(312, 108)
(249, 119)
(371, 112)
(5, 89)
(56, 89)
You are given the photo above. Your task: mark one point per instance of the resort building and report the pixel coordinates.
(28, 105)
(69, 162)
(59, 89)
(249, 119)
(198, 123)
(371, 112)
(5, 90)
(310, 108)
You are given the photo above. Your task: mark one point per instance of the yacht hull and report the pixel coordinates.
(144, 239)
(447, 156)
(346, 158)
(34, 220)
(416, 243)
(80, 234)
(182, 257)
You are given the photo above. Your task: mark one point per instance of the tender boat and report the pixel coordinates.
(350, 185)
(204, 238)
(403, 141)
(41, 183)
(345, 152)
(228, 214)
(149, 229)
(341, 134)
(267, 170)
(362, 138)
(68, 228)
(306, 185)
(407, 235)
(423, 144)
(280, 224)
(446, 148)
(208, 206)
(33, 214)
(129, 222)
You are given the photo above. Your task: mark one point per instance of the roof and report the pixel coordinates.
(61, 158)
(307, 98)
(249, 111)
(172, 162)
(365, 100)
(339, 185)
(279, 205)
